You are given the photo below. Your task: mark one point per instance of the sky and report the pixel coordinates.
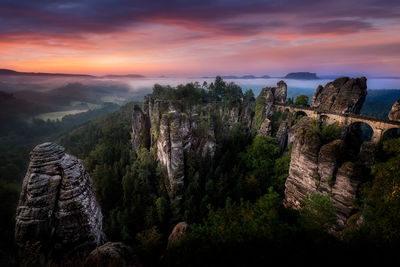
(201, 37)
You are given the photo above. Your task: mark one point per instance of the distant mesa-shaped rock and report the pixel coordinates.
(302, 76)
(343, 95)
(394, 113)
(57, 211)
(248, 77)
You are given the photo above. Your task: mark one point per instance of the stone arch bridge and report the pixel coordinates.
(379, 126)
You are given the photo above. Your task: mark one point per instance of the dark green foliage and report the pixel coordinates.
(17, 138)
(276, 119)
(260, 160)
(259, 110)
(126, 183)
(327, 132)
(281, 170)
(301, 100)
(382, 197)
(317, 213)
(241, 222)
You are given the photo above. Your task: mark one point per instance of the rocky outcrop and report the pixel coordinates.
(280, 92)
(140, 129)
(303, 171)
(57, 210)
(344, 191)
(179, 134)
(318, 168)
(282, 136)
(343, 95)
(394, 113)
(264, 104)
(111, 254)
(177, 234)
(266, 127)
(241, 113)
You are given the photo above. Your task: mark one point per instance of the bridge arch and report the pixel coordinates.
(324, 118)
(299, 114)
(391, 133)
(360, 131)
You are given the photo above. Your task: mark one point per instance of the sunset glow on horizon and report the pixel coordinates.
(201, 37)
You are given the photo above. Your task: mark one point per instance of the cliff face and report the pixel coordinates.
(57, 210)
(140, 128)
(179, 134)
(178, 129)
(343, 95)
(264, 106)
(320, 168)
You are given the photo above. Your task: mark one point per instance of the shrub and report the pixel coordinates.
(317, 213)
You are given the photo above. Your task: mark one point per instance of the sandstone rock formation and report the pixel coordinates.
(394, 113)
(280, 92)
(177, 234)
(318, 168)
(57, 210)
(282, 136)
(177, 135)
(266, 127)
(177, 129)
(111, 254)
(343, 95)
(140, 128)
(264, 105)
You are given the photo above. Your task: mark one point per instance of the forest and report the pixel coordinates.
(231, 200)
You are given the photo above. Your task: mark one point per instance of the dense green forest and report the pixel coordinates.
(232, 201)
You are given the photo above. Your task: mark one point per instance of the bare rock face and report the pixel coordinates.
(265, 101)
(241, 113)
(344, 191)
(280, 92)
(140, 129)
(282, 136)
(111, 254)
(177, 234)
(57, 210)
(303, 171)
(343, 95)
(266, 127)
(179, 134)
(318, 168)
(394, 113)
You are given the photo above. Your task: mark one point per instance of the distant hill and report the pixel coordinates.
(238, 77)
(302, 76)
(124, 76)
(7, 72)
